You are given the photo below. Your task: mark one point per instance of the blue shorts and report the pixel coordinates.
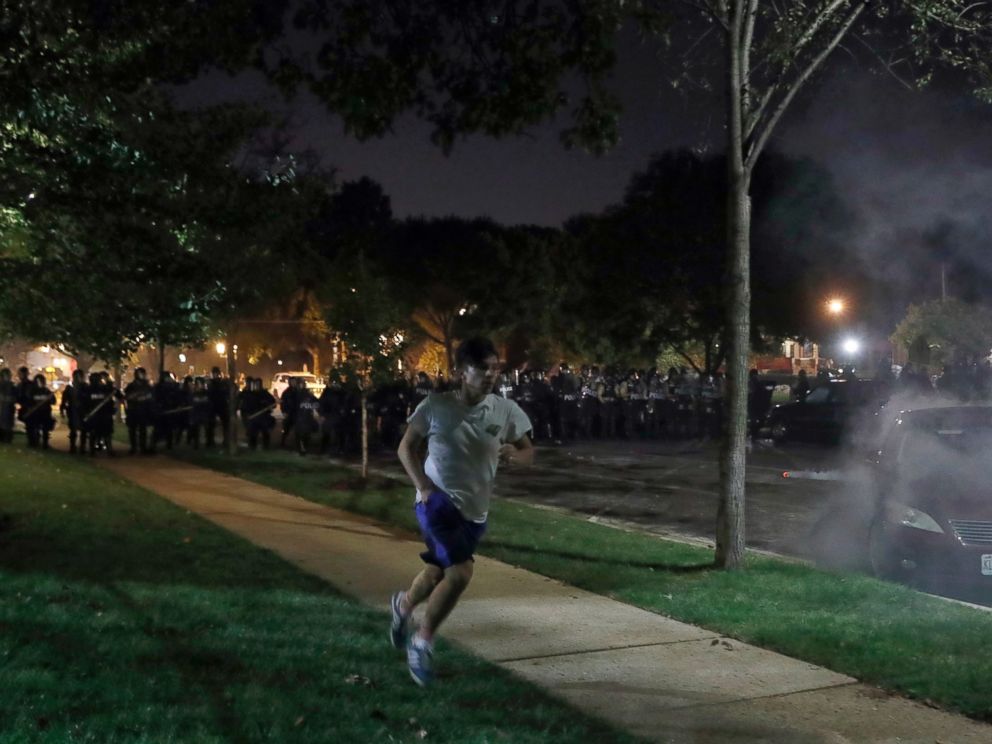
(450, 538)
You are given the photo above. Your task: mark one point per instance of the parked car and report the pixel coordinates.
(932, 484)
(280, 381)
(828, 412)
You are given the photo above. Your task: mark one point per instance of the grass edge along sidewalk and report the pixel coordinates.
(124, 618)
(880, 633)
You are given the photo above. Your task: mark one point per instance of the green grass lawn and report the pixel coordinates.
(880, 633)
(126, 619)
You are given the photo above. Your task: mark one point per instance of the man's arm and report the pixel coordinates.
(413, 464)
(520, 452)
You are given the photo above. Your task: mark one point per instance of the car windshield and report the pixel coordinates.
(819, 395)
(951, 450)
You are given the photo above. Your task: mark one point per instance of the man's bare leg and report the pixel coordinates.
(444, 597)
(421, 588)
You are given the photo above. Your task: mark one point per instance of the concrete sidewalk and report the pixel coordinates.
(655, 677)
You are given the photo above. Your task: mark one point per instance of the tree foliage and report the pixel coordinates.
(471, 66)
(952, 330)
(106, 184)
(647, 272)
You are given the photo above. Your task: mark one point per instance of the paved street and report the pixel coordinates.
(670, 489)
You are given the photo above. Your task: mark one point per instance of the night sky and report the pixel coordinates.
(903, 160)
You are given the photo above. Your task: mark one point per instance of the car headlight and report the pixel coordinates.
(907, 516)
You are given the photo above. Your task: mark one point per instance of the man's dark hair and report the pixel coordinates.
(474, 351)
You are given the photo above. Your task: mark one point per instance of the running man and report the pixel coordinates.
(469, 432)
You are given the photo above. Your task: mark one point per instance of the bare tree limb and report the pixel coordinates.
(757, 146)
(887, 65)
(750, 16)
(819, 20)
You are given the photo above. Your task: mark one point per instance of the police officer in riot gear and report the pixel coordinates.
(38, 412)
(139, 408)
(331, 406)
(167, 395)
(72, 409)
(421, 388)
(288, 404)
(305, 419)
(219, 391)
(567, 391)
(98, 419)
(201, 411)
(589, 405)
(8, 401)
(22, 390)
(256, 405)
(609, 398)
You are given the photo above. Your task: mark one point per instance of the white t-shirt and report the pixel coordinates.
(463, 445)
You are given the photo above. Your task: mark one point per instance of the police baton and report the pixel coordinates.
(264, 410)
(100, 405)
(177, 410)
(39, 405)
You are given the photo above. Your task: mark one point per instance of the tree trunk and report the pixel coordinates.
(315, 355)
(118, 375)
(730, 526)
(449, 355)
(365, 436)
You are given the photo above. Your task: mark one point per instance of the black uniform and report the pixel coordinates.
(287, 404)
(332, 413)
(139, 402)
(305, 418)
(256, 405)
(98, 420)
(72, 409)
(201, 413)
(421, 389)
(8, 399)
(390, 404)
(22, 389)
(567, 392)
(219, 390)
(609, 411)
(589, 405)
(38, 413)
(167, 396)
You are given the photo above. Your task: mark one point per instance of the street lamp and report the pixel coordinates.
(221, 348)
(835, 306)
(851, 346)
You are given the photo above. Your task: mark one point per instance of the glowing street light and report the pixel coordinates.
(221, 348)
(835, 306)
(851, 346)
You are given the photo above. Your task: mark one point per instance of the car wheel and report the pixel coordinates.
(880, 553)
(780, 431)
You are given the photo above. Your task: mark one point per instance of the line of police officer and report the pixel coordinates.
(31, 401)
(606, 404)
(587, 404)
(159, 414)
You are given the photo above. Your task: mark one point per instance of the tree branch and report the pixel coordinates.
(750, 15)
(813, 29)
(888, 66)
(757, 146)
